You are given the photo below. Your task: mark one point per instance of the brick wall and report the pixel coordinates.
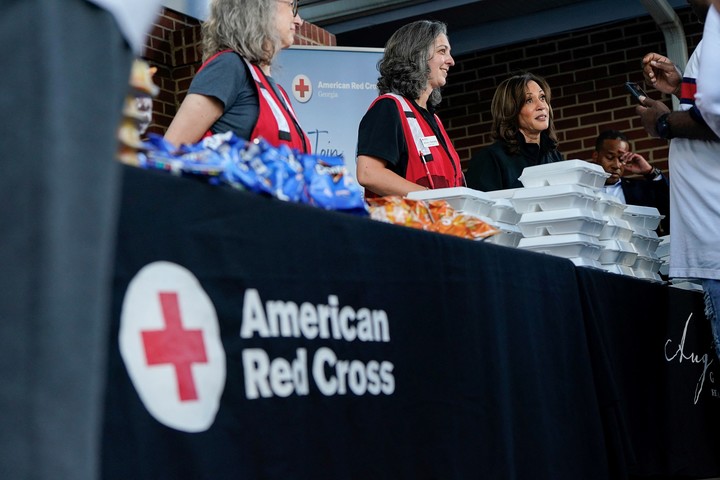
(173, 45)
(586, 70)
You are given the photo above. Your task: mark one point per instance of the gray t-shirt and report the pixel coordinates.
(226, 78)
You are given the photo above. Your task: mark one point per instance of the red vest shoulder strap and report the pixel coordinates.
(211, 58)
(429, 164)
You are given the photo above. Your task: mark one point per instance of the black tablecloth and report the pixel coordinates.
(658, 346)
(479, 361)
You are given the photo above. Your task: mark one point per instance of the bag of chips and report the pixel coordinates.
(328, 185)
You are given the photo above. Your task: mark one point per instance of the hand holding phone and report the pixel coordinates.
(635, 91)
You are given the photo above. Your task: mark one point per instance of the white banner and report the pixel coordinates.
(331, 89)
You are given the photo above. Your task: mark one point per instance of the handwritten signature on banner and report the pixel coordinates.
(680, 354)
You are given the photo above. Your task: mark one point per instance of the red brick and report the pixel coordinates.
(602, 117)
(566, 147)
(586, 70)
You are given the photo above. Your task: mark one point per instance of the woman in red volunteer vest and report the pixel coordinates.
(402, 145)
(233, 90)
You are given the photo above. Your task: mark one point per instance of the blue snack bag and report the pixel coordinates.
(239, 173)
(329, 186)
(160, 155)
(264, 161)
(207, 158)
(292, 177)
(276, 169)
(210, 156)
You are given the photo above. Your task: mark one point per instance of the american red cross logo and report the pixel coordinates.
(301, 88)
(175, 345)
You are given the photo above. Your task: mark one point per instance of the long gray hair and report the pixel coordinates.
(245, 26)
(404, 67)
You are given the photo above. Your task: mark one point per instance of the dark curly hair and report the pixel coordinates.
(506, 104)
(404, 66)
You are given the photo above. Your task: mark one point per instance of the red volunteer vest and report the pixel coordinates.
(277, 122)
(429, 164)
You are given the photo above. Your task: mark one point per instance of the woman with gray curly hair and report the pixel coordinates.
(523, 131)
(233, 90)
(402, 145)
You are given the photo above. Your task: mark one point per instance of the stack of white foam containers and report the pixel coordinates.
(561, 211)
(462, 199)
(644, 221)
(505, 218)
(619, 254)
(499, 214)
(558, 208)
(602, 233)
(564, 213)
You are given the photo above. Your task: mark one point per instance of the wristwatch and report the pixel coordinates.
(663, 127)
(653, 174)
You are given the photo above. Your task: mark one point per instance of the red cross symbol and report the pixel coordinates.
(175, 345)
(301, 88)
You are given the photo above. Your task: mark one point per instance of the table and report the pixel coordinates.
(260, 339)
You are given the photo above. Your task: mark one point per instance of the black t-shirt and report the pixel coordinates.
(381, 134)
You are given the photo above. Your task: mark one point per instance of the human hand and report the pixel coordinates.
(661, 73)
(649, 112)
(635, 163)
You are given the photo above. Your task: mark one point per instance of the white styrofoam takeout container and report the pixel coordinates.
(645, 241)
(618, 252)
(664, 269)
(616, 229)
(560, 222)
(663, 249)
(553, 197)
(647, 275)
(503, 211)
(609, 205)
(647, 264)
(568, 172)
(506, 193)
(586, 262)
(686, 284)
(508, 236)
(619, 269)
(461, 199)
(642, 217)
(568, 246)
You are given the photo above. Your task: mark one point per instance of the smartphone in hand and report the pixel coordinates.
(635, 90)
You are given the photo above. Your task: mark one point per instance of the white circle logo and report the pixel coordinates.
(302, 88)
(170, 343)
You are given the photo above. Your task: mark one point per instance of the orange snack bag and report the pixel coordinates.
(433, 215)
(400, 211)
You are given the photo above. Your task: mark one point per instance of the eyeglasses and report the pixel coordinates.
(293, 4)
